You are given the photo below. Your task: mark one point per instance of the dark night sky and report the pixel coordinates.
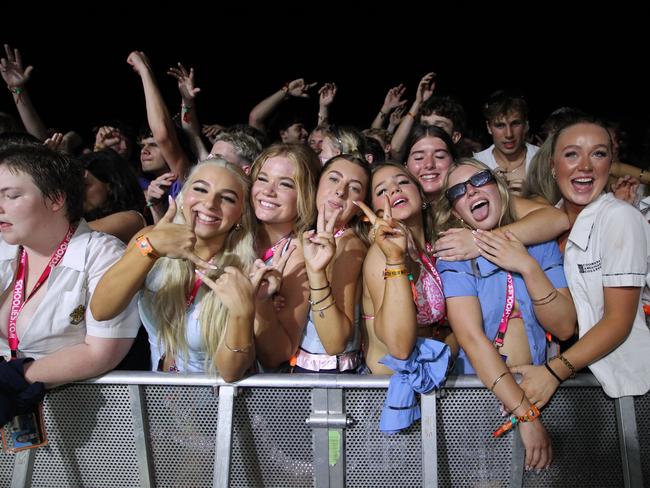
(81, 75)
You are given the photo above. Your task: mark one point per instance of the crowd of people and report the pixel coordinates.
(267, 247)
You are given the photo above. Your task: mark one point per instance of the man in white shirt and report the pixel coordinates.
(50, 263)
(506, 118)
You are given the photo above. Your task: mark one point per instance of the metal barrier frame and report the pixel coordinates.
(328, 415)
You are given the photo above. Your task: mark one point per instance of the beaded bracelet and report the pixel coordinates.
(530, 416)
(15, 89)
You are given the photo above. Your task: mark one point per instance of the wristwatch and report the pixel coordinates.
(145, 247)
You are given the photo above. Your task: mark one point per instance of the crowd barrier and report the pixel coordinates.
(143, 429)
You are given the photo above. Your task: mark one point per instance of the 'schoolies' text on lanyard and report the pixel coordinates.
(18, 299)
(507, 312)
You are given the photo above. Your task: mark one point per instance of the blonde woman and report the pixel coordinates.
(283, 197)
(206, 237)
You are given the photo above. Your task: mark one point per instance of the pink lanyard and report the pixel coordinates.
(507, 312)
(266, 255)
(18, 299)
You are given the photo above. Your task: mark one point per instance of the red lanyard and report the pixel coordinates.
(18, 299)
(195, 289)
(507, 312)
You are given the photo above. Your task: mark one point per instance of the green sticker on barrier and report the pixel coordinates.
(334, 441)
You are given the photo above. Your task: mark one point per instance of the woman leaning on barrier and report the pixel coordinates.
(498, 304)
(606, 261)
(402, 292)
(334, 257)
(206, 237)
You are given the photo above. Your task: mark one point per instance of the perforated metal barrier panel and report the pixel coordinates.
(271, 444)
(182, 426)
(642, 408)
(167, 433)
(91, 440)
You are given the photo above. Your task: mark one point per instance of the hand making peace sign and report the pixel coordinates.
(387, 232)
(319, 246)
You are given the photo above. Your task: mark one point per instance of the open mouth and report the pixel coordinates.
(583, 184)
(480, 210)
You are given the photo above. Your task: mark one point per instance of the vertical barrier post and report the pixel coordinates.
(319, 438)
(628, 438)
(140, 434)
(336, 440)
(518, 460)
(429, 440)
(223, 441)
(23, 466)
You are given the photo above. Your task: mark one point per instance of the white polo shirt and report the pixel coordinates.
(609, 246)
(69, 289)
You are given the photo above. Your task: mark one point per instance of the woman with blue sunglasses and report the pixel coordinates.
(498, 304)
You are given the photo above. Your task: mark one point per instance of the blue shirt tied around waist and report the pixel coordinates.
(424, 370)
(485, 280)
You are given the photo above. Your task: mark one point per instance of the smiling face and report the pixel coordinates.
(341, 184)
(216, 197)
(480, 207)
(403, 194)
(429, 161)
(581, 160)
(274, 194)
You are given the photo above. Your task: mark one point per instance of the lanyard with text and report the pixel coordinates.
(507, 312)
(18, 299)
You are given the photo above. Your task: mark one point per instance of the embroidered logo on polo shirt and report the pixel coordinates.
(77, 315)
(589, 267)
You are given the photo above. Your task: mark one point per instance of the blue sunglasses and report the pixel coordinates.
(477, 180)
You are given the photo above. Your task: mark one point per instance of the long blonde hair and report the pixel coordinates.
(444, 217)
(307, 169)
(177, 277)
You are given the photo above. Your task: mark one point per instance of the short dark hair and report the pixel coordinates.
(56, 175)
(502, 102)
(446, 107)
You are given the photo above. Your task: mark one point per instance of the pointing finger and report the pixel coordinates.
(367, 211)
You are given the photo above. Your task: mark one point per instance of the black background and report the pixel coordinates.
(593, 60)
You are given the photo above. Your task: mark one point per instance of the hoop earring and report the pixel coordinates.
(553, 173)
(425, 205)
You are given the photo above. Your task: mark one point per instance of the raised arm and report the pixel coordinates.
(326, 95)
(425, 89)
(392, 101)
(16, 79)
(189, 113)
(263, 110)
(160, 122)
